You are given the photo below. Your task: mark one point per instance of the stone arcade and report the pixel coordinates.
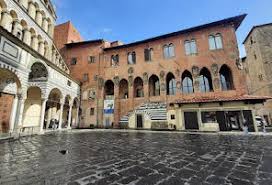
(36, 90)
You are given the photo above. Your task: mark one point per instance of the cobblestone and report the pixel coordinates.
(137, 158)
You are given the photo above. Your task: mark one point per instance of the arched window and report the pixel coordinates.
(132, 58)
(148, 53)
(190, 47)
(38, 73)
(171, 84)
(205, 81)
(109, 88)
(169, 51)
(187, 83)
(123, 89)
(154, 86)
(215, 42)
(138, 88)
(114, 60)
(226, 78)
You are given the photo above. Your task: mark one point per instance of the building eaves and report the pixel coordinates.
(237, 20)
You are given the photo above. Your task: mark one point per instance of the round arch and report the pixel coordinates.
(154, 85)
(226, 78)
(138, 87)
(123, 89)
(32, 107)
(39, 73)
(205, 80)
(171, 85)
(109, 88)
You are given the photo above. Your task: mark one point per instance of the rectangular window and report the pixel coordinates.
(208, 117)
(92, 112)
(85, 77)
(73, 61)
(173, 117)
(91, 59)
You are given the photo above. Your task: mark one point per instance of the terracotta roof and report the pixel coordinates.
(236, 21)
(224, 99)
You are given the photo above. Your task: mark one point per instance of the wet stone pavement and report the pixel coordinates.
(137, 158)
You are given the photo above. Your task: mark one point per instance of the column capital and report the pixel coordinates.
(5, 11)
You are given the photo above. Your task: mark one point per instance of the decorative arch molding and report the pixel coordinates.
(39, 72)
(13, 70)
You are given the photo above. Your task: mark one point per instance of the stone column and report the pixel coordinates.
(44, 101)
(49, 117)
(32, 10)
(35, 43)
(13, 113)
(6, 20)
(61, 113)
(27, 37)
(39, 18)
(20, 113)
(51, 30)
(77, 117)
(24, 3)
(45, 25)
(70, 115)
(41, 48)
(17, 29)
(53, 56)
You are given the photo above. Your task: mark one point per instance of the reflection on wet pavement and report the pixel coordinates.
(137, 158)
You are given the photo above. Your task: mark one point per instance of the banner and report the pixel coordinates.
(108, 106)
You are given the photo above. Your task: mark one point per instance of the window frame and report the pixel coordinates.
(133, 58)
(73, 61)
(167, 53)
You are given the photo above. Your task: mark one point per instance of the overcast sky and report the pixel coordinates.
(132, 20)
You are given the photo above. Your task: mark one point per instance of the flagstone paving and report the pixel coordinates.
(137, 158)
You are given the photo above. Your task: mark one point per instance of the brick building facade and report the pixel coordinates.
(258, 66)
(183, 80)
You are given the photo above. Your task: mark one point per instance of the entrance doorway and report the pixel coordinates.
(191, 121)
(235, 120)
(139, 120)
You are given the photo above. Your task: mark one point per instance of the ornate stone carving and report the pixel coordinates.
(215, 69)
(38, 73)
(163, 87)
(196, 86)
(178, 85)
(177, 72)
(145, 77)
(116, 81)
(130, 80)
(130, 70)
(195, 71)
(162, 74)
(216, 83)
